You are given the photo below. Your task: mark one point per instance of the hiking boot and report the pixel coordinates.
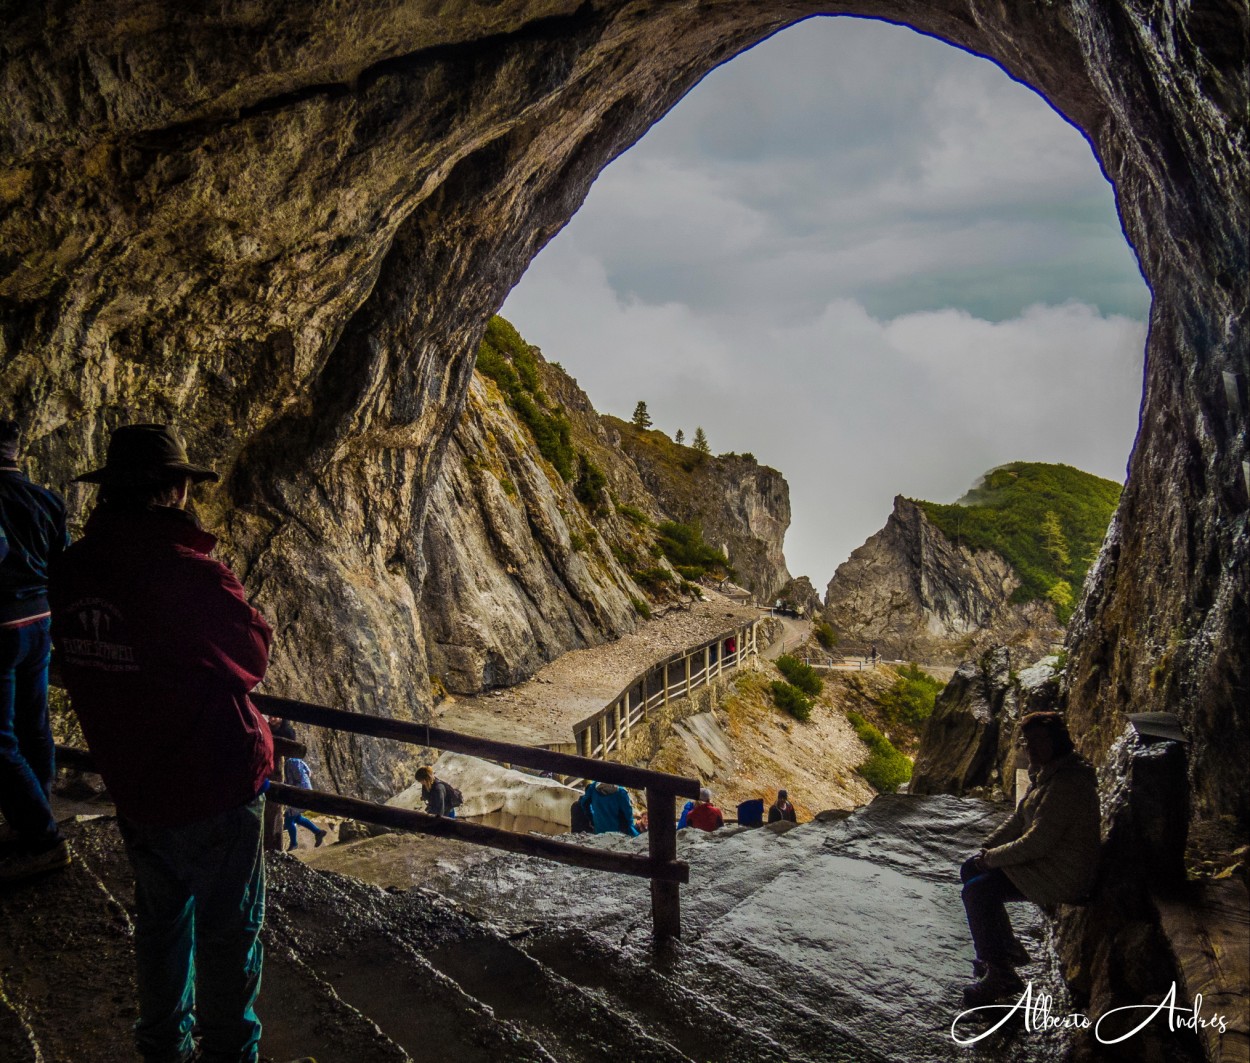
(321, 836)
(1017, 956)
(997, 983)
(23, 865)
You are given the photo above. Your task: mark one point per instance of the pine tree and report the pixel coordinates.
(700, 441)
(680, 437)
(641, 418)
(1054, 541)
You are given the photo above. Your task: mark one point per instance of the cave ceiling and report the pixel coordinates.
(285, 226)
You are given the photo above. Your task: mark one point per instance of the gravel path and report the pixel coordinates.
(564, 692)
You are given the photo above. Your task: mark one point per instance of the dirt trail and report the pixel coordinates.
(544, 708)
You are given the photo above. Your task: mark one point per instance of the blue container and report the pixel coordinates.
(751, 813)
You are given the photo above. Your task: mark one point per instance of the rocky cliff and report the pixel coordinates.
(919, 596)
(521, 564)
(290, 240)
(515, 571)
(742, 507)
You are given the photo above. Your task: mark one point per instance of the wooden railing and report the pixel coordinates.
(605, 731)
(660, 865)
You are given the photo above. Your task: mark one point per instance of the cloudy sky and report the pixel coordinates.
(870, 259)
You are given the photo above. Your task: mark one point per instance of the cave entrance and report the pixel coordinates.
(871, 259)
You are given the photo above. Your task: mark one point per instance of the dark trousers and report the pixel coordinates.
(985, 894)
(27, 754)
(200, 903)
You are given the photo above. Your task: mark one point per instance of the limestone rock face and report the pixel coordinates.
(516, 573)
(742, 506)
(289, 241)
(799, 595)
(919, 596)
(968, 743)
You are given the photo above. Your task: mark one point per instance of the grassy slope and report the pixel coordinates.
(1048, 521)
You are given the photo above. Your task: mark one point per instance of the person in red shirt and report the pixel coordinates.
(705, 815)
(158, 649)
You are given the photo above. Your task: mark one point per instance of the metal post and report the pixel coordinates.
(662, 841)
(665, 701)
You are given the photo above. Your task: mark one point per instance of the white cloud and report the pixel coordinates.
(870, 259)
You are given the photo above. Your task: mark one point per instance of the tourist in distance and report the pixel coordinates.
(159, 649)
(705, 815)
(687, 808)
(295, 773)
(610, 809)
(441, 799)
(781, 808)
(1046, 852)
(32, 534)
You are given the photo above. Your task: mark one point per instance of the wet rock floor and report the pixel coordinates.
(832, 941)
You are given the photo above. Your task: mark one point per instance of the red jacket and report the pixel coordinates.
(158, 648)
(705, 817)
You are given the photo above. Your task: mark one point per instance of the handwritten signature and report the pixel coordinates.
(1034, 1007)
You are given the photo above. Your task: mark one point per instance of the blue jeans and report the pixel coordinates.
(291, 819)
(200, 903)
(27, 754)
(985, 895)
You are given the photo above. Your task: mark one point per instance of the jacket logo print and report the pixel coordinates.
(95, 645)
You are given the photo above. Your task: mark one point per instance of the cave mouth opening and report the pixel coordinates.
(866, 256)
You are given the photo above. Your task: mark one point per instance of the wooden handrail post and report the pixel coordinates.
(662, 841)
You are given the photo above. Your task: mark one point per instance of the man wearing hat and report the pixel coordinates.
(781, 808)
(32, 533)
(159, 649)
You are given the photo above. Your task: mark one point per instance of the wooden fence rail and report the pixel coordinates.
(605, 730)
(661, 865)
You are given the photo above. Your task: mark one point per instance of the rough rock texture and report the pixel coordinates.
(1113, 949)
(742, 506)
(920, 597)
(968, 742)
(799, 596)
(290, 239)
(516, 572)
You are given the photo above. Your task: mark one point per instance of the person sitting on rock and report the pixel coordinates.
(781, 809)
(1046, 852)
(705, 815)
(610, 809)
(441, 798)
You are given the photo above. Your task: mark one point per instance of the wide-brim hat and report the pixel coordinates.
(144, 453)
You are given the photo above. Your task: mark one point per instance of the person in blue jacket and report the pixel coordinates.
(609, 808)
(295, 773)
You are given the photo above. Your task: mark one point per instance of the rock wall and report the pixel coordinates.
(968, 742)
(920, 597)
(742, 506)
(516, 572)
(289, 241)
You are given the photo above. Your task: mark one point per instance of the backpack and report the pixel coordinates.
(579, 818)
(453, 797)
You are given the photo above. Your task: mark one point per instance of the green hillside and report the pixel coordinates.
(1048, 521)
